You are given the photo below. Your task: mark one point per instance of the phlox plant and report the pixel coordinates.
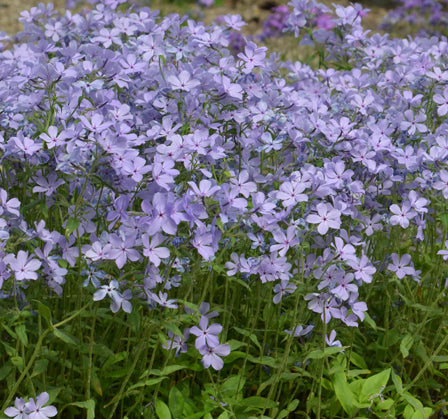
(188, 231)
(426, 16)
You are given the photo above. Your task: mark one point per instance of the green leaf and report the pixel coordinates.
(232, 385)
(223, 415)
(162, 410)
(39, 367)
(21, 334)
(66, 337)
(290, 409)
(169, 369)
(17, 361)
(374, 385)
(319, 353)
(44, 311)
(176, 402)
(71, 226)
(396, 379)
(147, 383)
(5, 370)
(343, 393)
(96, 383)
(251, 336)
(259, 402)
(89, 405)
(235, 344)
(370, 321)
(415, 403)
(358, 361)
(406, 345)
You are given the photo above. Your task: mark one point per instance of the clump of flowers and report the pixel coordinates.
(429, 16)
(146, 168)
(32, 409)
(275, 23)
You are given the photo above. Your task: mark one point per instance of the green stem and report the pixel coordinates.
(117, 398)
(89, 371)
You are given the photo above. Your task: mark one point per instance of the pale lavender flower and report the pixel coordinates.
(442, 184)
(162, 299)
(284, 288)
(47, 185)
(401, 266)
(252, 57)
(176, 342)
(11, 206)
(111, 291)
(19, 411)
(299, 330)
(152, 251)
(211, 355)
(286, 241)
(444, 252)
(363, 269)
(206, 335)
(442, 101)
(24, 266)
(327, 217)
(330, 340)
(52, 138)
(38, 410)
(183, 81)
(401, 215)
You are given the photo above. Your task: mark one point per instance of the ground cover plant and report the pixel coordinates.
(193, 230)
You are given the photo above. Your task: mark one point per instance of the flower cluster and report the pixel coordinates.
(430, 16)
(33, 409)
(137, 153)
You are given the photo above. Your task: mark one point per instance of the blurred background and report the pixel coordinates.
(254, 12)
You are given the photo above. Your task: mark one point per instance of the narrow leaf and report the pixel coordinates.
(406, 345)
(89, 405)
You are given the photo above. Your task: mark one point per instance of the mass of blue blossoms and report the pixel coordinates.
(135, 150)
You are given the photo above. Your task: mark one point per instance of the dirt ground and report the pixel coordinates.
(252, 11)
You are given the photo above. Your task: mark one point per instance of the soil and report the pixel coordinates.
(252, 11)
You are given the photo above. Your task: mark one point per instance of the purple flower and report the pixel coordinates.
(282, 289)
(345, 252)
(442, 101)
(52, 138)
(162, 299)
(118, 300)
(19, 411)
(444, 252)
(211, 355)
(327, 217)
(344, 287)
(24, 266)
(176, 342)
(402, 215)
(252, 56)
(11, 206)
(401, 265)
(363, 269)
(183, 81)
(206, 335)
(442, 184)
(330, 340)
(152, 251)
(47, 185)
(37, 410)
(299, 330)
